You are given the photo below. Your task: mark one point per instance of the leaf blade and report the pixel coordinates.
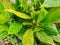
(28, 38)
(19, 14)
(44, 38)
(51, 3)
(13, 29)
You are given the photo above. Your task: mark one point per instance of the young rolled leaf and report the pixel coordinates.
(3, 19)
(19, 14)
(14, 28)
(44, 38)
(28, 38)
(51, 3)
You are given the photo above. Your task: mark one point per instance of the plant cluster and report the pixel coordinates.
(30, 22)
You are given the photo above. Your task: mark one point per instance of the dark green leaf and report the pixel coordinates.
(20, 34)
(49, 28)
(20, 43)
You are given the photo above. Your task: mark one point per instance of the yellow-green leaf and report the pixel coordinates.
(19, 14)
(3, 19)
(4, 27)
(28, 38)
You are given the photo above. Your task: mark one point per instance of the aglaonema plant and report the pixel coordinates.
(30, 22)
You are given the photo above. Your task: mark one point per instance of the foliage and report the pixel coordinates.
(30, 22)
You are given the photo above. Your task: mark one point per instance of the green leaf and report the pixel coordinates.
(20, 43)
(38, 29)
(17, 4)
(13, 40)
(49, 28)
(42, 14)
(1, 7)
(57, 38)
(20, 34)
(24, 4)
(44, 38)
(35, 43)
(53, 16)
(51, 3)
(3, 35)
(4, 27)
(4, 19)
(14, 28)
(27, 23)
(34, 15)
(19, 14)
(28, 38)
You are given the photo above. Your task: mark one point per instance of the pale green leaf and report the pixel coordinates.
(51, 3)
(57, 38)
(44, 38)
(3, 35)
